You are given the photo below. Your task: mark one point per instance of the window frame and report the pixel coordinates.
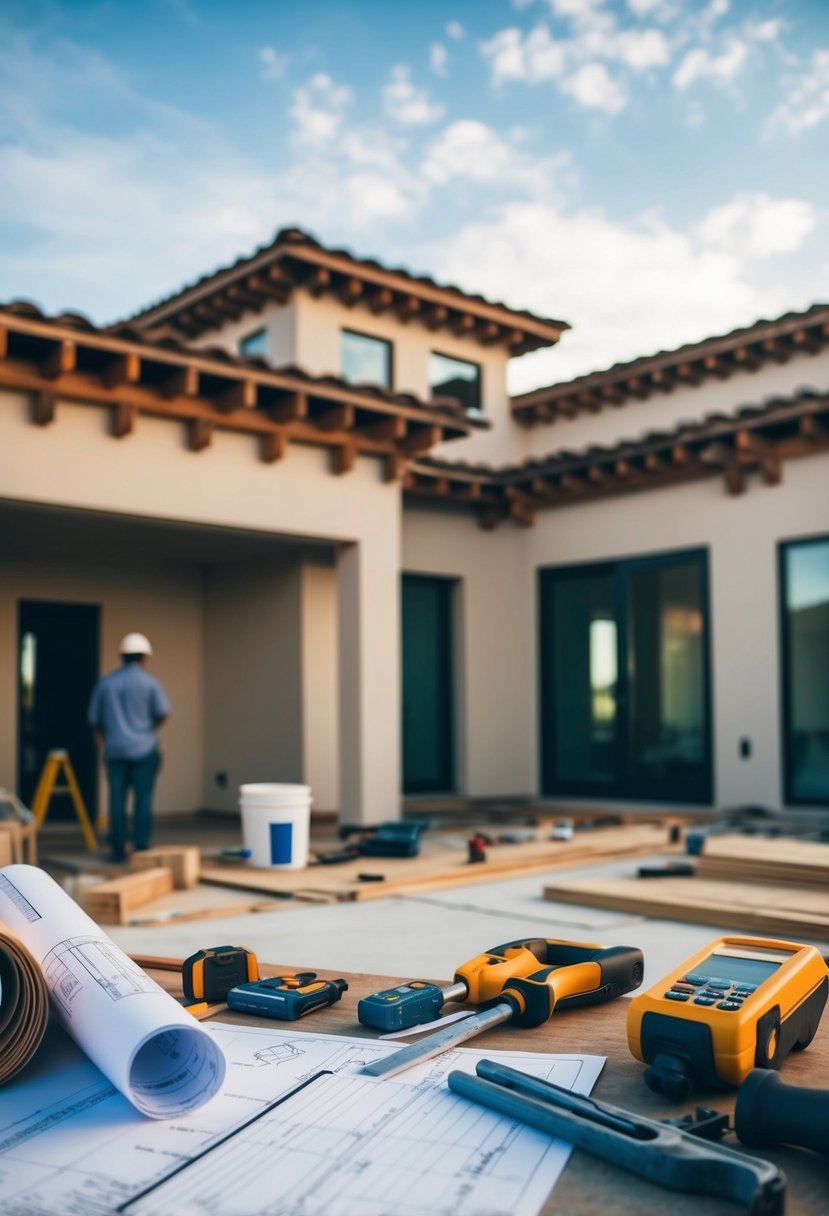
(254, 333)
(787, 767)
(386, 342)
(477, 408)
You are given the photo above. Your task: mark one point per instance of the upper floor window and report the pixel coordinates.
(456, 378)
(365, 360)
(255, 343)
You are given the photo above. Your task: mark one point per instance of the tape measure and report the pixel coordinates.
(739, 1003)
(208, 975)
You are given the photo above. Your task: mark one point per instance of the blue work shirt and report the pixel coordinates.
(126, 706)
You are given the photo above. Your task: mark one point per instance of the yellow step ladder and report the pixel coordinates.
(46, 787)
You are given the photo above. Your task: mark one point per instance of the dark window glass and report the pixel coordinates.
(455, 378)
(365, 360)
(428, 696)
(805, 616)
(624, 679)
(255, 343)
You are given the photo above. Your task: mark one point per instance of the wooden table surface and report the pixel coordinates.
(589, 1186)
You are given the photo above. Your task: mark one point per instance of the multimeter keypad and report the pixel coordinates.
(725, 994)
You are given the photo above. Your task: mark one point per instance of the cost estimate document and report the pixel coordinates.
(280, 1139)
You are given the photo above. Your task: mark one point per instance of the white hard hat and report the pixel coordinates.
(134, 643)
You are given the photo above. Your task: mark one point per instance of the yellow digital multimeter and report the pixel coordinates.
(738, 1003)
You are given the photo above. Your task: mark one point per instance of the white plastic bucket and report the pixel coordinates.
(275, 824)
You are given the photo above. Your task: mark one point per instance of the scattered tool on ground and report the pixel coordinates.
(477, 846)
(571, 975)
(770, 1112)
(392, 839)
(663, 1153)
(286, 997)
(737, 1003)
(208, 975)
(673, 869)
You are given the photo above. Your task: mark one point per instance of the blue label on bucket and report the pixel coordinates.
(281, 843)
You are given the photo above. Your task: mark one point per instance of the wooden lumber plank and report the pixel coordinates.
(184, 861)
(749, 907)
(769, 859)
(111, 902)
(443, 862)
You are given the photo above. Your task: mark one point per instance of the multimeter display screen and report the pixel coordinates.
(741, 970)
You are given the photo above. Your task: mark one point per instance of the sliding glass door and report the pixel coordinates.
(804, 585)
(624, 679)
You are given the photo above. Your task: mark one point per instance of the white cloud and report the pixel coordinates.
(699, 64)
(766, 31)
(438, 56)
(406, 104)
(319, 109)
(531, 59)
(455, 30)
(577, 9)
(657, 9)
(471, 151)
(593, 87)
(642, 49)
(273, 64)
(807, 104)
(756, 226)
(615, 283)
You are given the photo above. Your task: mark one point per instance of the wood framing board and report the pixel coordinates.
(111, 902)
(184, 860)
(750, 907)
(765, 859)
(442, 863)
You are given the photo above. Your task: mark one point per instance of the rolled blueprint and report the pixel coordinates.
(141, 1039)
(24, 1005)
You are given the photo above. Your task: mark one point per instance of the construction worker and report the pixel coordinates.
(125, 710)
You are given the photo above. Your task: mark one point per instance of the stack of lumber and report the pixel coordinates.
(183, 860)
(788, 897)
(111, 903)
(443, 862)
(760, 859)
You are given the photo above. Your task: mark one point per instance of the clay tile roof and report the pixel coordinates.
(294, 254)
(749, 346)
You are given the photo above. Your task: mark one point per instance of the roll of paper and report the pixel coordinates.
(24, 1005)
(149, 1047)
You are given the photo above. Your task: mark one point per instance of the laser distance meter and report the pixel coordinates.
(738, 1003)
(286, 997)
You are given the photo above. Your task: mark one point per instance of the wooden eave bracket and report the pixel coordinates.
(199, 434)
(43, 407)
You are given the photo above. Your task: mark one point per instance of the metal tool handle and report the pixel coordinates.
(664, 1155)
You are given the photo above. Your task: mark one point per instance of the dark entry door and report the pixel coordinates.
(57, 669)
(428, 700)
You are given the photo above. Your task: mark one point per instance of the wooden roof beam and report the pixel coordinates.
(652, 463)
(808, 340)
(812, 429)
(60, 358)
(380, 300)
(239, 396)
(338, 417)
(319, 280)
(522, 511)
(637, 387)
(387, 429)
(124, 369)
(598, 474)
(464, 325)
(123, 420)
(4, 342)
(343, 458)
(43, 407)
(292, 408)
(407, 308)
(589, 401)
(489, 333)
(273, 444)
(436, 316)
(771, 469)
(661, 378)
(717, 365)
(689, 373)
(735, 478)
(394, 468)
(777, 349)
(181, 382)
(420, 439)
(351, 291)
(611, 393)
(199, 434)
(747, 359)
(748, 443)
(573, 484)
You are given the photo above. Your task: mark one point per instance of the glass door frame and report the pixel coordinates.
(625, 787)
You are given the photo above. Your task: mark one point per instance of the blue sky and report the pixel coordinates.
(652, 171)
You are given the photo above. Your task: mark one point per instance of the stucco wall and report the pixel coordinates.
(493, 652)
(279, 324)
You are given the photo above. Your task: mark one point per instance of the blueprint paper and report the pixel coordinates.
(345, 1144)
(149, 1047)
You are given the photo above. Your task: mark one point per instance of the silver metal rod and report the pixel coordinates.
(442, 1040)
(455, 992)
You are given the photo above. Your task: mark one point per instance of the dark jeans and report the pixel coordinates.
(138, 775)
